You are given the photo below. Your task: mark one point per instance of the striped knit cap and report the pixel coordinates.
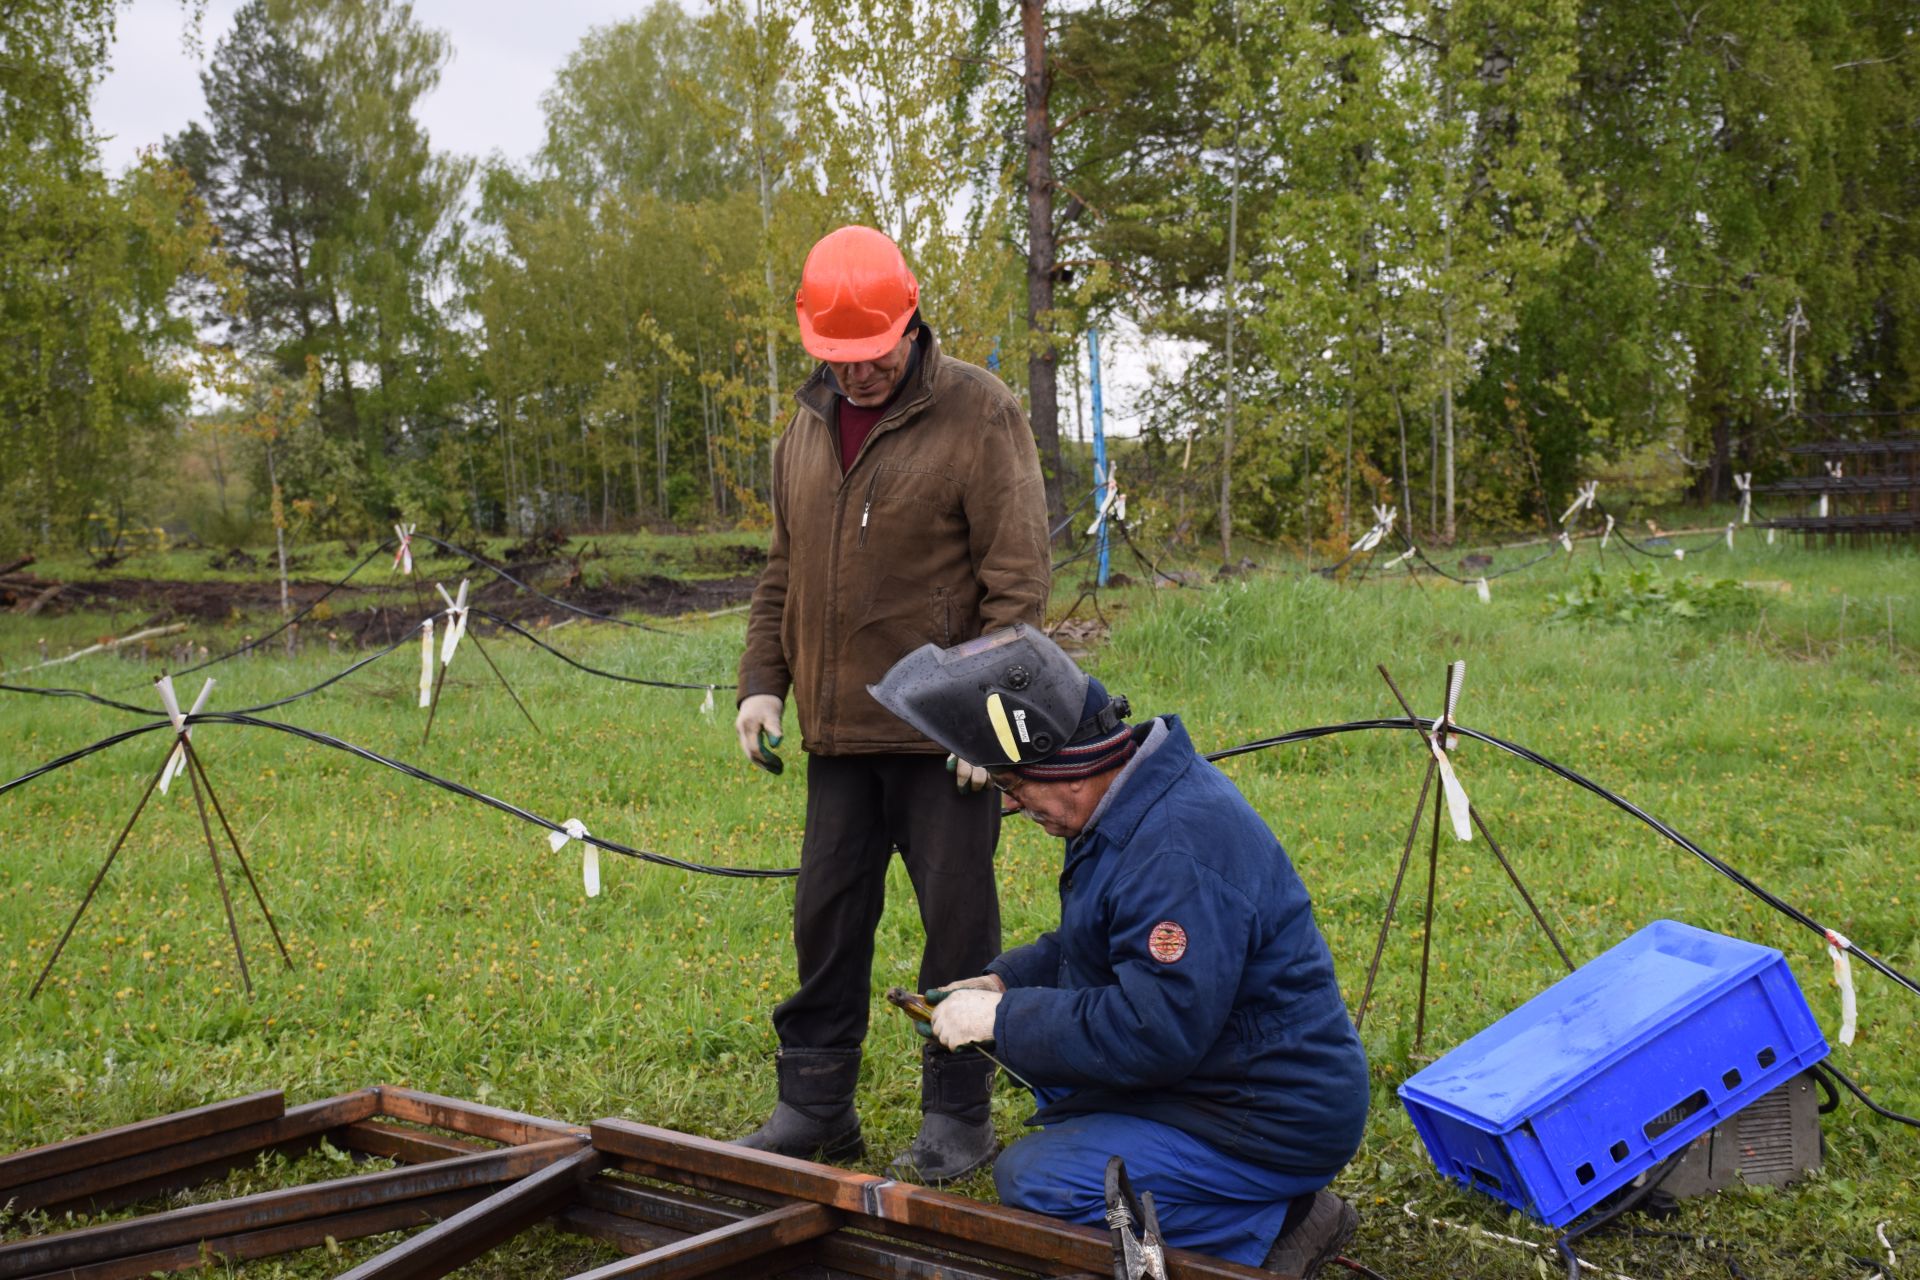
(1094, 750)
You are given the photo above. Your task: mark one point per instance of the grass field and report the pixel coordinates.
(440, 944)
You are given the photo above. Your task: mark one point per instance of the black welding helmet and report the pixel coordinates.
(1011, 697)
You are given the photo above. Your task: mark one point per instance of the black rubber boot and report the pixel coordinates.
(956, 1121)
(1313, 1241)
(814, 1119)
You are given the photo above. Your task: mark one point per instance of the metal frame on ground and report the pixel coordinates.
(475, 1176)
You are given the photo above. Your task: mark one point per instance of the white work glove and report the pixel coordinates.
(985, 982)
(966, 777)
(759, 712)
(965, 1017)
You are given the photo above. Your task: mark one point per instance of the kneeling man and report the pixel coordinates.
(1185, 1014)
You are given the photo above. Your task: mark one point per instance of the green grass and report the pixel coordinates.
(440, 944)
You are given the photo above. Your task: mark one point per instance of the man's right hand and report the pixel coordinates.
(759, 713)
(966, 777)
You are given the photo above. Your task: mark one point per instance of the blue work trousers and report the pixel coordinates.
(1205, 1199)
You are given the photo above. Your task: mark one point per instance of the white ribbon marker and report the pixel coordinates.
(1585, 498)
(1743, 481)
(1679, 553)
(1486, 596)
(1442, 741)
(1566, 540)
(1769, 535)
(177, 761)
(456, 621)
(426, 663)
(1383, 518)
(1837, 948)
(1109, 499)
(1408, 554)
(1729, 535)
(1606, 533)
(706, 704)
(403, 554)
(572, 829)
(1823, 506)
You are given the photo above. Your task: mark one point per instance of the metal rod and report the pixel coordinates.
(475, 637)
(1393, 899)
(100, 875)
(219, 877)
(1426, 936)
(193, 759)
(433, 705)
(1524, 895)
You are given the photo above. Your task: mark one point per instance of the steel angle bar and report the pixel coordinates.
(160, 1168)
(277, 1208)
(887, 1207)
(395, 1142)
(474, 1119)
(479, 1227)
(636, 1218)
(270, 1241)
(73, 1154)
(751, 1240)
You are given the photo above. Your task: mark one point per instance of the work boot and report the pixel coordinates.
(814, 1119)
(1313, 1240)
(956, 1120)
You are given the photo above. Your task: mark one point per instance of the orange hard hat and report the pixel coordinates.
(856, 296)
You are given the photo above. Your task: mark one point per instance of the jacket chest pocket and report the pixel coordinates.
(906, 505)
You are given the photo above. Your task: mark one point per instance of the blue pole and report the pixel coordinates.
(1099, 443)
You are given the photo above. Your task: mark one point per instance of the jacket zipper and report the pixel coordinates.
(866, 508)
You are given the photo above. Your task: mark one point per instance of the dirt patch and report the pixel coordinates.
(381, 614)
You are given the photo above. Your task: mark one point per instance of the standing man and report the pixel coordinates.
(908, 509)
(1184, 1015)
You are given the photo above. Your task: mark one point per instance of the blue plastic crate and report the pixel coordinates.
(1613, 1069)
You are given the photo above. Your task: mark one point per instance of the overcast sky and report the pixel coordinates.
(505, 55)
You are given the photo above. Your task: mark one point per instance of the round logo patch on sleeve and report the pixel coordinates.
(1167, 942)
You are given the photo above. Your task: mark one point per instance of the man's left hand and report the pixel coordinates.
(965, 1017)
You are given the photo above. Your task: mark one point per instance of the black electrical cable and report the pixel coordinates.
(510, 625)
(412, 771)
(1827, 1068)
(1626, 1205)
(1072, 511)
(1358, 1268)
(305, 609)
(1832, 1104)
(495, 569)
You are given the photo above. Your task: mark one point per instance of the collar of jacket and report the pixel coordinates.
(817, 394)
(1150, 778)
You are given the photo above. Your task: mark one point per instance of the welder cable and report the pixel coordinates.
(571, 661)
(1565, 1243)
(496, 570)
(305, 609)
(1821, 1070)
(1072, 511)
(412, 771)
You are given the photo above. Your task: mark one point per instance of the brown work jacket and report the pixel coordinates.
(937, 533)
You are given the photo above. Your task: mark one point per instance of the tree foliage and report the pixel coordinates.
(1451, 256)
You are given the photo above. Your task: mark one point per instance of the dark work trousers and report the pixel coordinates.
(859, 809)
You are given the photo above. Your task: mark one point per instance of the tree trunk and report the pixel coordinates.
(1043, 403)
(1406, 494)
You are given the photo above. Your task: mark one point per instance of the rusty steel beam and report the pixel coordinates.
(885, 1206)
(270, 1241)
(635, 1218)
(160, 1169)
(759, 1239)
(276, 1208)
(479, 1227)
(56, 1158)
(393, 1142)
(473, 1119)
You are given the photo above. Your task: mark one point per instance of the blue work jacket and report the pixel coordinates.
(1187, 982)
